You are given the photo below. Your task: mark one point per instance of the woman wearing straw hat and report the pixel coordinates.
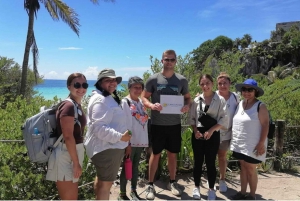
(107, 135)
(249, 136)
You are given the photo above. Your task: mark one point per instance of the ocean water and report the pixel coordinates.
(51, 88)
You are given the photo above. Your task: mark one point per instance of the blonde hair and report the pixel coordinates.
(169, 52)
(224, 75)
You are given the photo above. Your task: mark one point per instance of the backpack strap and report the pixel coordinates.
(234, 97)
(128, 101)
(258, 107)
(75, 121)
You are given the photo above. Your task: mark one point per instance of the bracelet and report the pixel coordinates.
(129, 144)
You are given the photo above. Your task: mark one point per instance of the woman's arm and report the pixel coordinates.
(263, 116)
(102, 115)
(67, 127)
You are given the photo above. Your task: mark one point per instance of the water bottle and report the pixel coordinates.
(128, 168)
(35, 131)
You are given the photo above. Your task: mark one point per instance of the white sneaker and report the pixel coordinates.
(211, 195)
(196, 194)
(174, 188)
(150, 191)
(222, 186)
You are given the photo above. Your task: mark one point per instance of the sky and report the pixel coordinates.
(124, 34)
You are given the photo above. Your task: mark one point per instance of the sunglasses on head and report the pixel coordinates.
(248, 89)
(77, 85)
(169, 60)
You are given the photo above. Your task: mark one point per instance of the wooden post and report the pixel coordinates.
(278, 144)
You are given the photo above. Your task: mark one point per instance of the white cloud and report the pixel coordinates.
(128, 57)
(91, 73)
(125, 76)
(69, 48)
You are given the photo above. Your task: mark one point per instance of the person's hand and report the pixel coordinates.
(77, 170)
(128, 151)
(185, 108)
(198, 135)
(260, 149)
(208, 134)
(156, 106)
(126, 136)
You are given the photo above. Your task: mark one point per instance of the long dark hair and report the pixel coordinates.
(106, 93)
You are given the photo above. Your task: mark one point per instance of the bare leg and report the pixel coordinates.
(67, 190)
(222, 163)
(103, 190)
(243, 177)
(153, 164)
(251, 177)
(172, 164)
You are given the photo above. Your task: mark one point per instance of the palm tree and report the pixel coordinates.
(57, 10)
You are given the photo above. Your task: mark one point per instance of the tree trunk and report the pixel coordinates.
(26, 53)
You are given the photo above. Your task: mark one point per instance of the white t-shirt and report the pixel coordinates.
(231, 105)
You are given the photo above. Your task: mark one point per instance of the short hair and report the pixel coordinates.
(205, 76)
(169, 52)
(73, 76)
(224, 75)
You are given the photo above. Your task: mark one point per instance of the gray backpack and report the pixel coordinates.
(39, 132)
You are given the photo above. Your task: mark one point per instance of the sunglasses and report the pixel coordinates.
(77, 85)
(248, 89)
(169, 60)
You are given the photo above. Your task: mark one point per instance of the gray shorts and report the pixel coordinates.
(108, 163)
(224, 145)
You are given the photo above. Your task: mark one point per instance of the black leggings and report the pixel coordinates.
(209, 149)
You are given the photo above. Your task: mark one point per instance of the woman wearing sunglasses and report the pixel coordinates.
(108, 132)
(232, 100)
(66, 167)
(206, 140)
(249, 136)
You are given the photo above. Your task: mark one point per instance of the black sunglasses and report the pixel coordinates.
(77, 85)
(169, 60)
(248, 89)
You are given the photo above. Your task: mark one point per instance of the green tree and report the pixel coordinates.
(10, 76)
(57, 10)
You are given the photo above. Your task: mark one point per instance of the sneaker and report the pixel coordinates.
(196, 194)
(239, 196)
(150, 191)
(123, 197)
(174, 188)
(211, 195)
(222, 186)
(208, 186)
(135, 196)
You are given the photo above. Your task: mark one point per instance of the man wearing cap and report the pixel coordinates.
(165, 128)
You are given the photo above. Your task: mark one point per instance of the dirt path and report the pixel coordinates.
(275, 186)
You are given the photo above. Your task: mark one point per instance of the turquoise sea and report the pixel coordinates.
(50, 88)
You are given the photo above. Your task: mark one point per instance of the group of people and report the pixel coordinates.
(117, 129)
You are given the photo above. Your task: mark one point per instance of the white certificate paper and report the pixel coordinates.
(171, 104)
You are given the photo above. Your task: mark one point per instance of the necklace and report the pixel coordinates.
(243, 112)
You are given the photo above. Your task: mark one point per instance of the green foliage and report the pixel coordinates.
(10, 76)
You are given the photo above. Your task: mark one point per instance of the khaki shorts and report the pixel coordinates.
(108, 163)
(60, 165)
(224, 145)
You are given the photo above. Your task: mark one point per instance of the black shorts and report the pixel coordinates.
(166, 137)
(246, 158)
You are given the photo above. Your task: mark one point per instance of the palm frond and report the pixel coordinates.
(35, 55)
(51, 10)
(68, 15)
(31, 5)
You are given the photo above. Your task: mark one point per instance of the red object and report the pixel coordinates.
(128, 168)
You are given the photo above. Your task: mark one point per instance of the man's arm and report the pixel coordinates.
(145, 99)
(187, 103)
